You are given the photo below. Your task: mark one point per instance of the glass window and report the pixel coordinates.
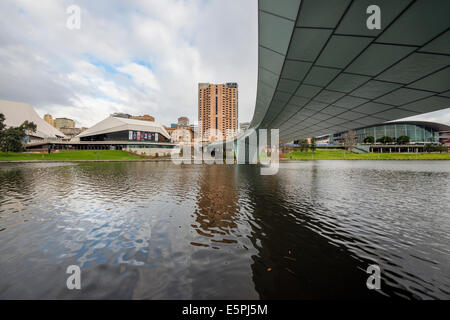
(390, 131)
(411, 133)
(401, 130)
(380, 132)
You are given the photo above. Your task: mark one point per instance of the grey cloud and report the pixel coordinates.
(39, 56)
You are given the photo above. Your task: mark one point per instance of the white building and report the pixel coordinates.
(139, 136)
(17, 112)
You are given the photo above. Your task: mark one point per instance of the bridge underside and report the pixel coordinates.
(321, 70)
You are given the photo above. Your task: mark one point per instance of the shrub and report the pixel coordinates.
(385, 139)
(304, 145)
(403, 139)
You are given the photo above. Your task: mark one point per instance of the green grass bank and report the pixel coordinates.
(117, 155)
(69, 155)
(342, 155)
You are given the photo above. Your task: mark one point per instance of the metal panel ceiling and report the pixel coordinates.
(321, 70)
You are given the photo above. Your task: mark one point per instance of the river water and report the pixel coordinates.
(164, 231)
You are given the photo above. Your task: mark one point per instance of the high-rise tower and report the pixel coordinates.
(218, 110)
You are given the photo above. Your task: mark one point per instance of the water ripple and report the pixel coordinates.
(158, 230)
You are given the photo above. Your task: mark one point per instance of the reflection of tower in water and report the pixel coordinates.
(217, 207)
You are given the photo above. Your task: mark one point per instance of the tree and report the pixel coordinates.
(312, 145)
(403, 140)
(304, 145)
(2, 122)
(369, 139)
(428, 147)
(442, 148)
(11, 138)
(385, 139)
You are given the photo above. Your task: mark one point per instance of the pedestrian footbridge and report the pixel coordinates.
(324, 67)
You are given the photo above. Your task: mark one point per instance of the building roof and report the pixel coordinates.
(114, 124)
(433, 125)
(438, 127)
(17, 112)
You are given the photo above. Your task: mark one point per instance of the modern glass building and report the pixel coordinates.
(122, 129)
(132, 135)
(417, 131)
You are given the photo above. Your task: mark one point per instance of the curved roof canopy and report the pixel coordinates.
(438, 127)
(17, 112)
(114, 124)
(428, 124)
(321, 70)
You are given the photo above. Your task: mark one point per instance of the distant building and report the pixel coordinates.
(49, 119)
(181, 134)
(145, 117)
(121, 115)
(17, 112)
(181, 131)
(63, 123)
(71, 132)
(444, 137)
(325, 139)
(244, 126)
(183, 121)
(218, 110)
(66, 126)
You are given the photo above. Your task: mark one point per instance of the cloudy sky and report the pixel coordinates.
(138, 57)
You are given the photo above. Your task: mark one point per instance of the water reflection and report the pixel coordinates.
(217, 206)
(162, 231)
(293, 261)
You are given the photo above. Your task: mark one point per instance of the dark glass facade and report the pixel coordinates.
(416, 133)
(127, 135)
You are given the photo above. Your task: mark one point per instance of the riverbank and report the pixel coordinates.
(339, 154)
(118, 155)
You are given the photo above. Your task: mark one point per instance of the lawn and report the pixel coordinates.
(70, 155)
(342, 154)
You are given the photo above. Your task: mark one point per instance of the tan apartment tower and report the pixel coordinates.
(218, 110)
(59, 123)
(49, 119)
